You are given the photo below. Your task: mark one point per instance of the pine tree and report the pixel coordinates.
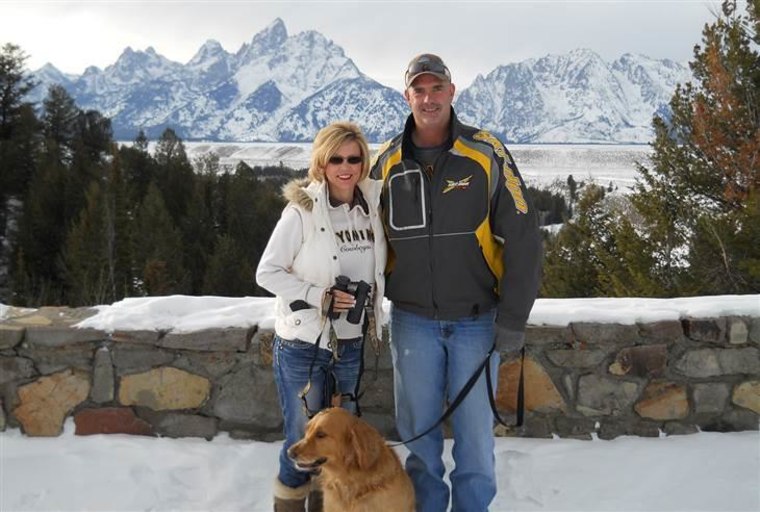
(572, 265)
(174, 174)
(199, 229)
(17, 123)
(85, 253)
(139, 168)
(698, 198)
(228, 273)
(158, 249)
(59, 119)
(42, 228)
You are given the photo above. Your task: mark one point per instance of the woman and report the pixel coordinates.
(330, 227)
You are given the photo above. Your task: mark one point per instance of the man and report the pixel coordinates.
(463, 270)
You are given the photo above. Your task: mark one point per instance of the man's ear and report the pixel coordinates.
(406, 95)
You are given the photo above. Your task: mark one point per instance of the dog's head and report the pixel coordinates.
(336, 440)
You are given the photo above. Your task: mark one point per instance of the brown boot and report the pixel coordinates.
(289, 499)
(315, 498)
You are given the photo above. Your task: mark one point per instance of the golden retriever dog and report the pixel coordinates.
(358, 472)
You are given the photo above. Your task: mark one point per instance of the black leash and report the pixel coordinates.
(466, 389)
(329, 395)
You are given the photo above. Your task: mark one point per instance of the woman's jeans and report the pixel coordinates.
(291, 362)
(432, 361)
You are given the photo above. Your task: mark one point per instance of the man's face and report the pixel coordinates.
(430, 99)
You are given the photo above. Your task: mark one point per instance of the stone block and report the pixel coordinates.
(699, 363)
(110, 420)
(740, 361)
(232, 339)
(738, 331)
(610, 429)
(708, 330)
(102, 377)
(576, 358)
(15, 369)
(210, 364)
(703, 363)
(2, 417)
(534, 425)
(45, 403)
(754, 330)
(601, 396)
(54, 336)
(10, 335)
(130, 358)
(164, 388)
(710, 398)
(140, 337)
(49, 360)
(747, 395)
(675, 428)
(574, 428)
(262, 343)
(641, 361)
(541, 394)
(662, 401)
(176, 425)
(248, 396)
(540, 335)
(606, 334)
(733, 421)
(665, 331)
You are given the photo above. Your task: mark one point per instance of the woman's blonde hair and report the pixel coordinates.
(327, 142)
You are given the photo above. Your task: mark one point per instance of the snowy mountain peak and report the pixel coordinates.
(272, 36)
(573, 97)
(281, 87)
(208, 55)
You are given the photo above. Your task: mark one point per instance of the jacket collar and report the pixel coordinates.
(304, 192)
(455, 128)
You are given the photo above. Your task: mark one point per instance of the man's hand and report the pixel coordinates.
(508, 341)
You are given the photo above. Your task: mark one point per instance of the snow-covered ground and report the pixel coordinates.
(540, 164)
(699, 472)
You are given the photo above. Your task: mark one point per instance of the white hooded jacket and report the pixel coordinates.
(306, 268)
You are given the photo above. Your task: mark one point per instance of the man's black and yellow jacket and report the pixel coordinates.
(463, 237)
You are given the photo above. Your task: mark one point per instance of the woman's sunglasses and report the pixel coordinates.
(337, 160)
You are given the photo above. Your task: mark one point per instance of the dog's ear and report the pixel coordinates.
(365, 446)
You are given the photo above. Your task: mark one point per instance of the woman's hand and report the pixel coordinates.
(341, 301)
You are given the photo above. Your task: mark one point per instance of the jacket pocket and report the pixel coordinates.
(302, 318)
(406, 200)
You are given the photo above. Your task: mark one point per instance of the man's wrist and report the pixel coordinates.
(508, 340)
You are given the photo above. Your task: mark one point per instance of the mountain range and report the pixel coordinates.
(282, 87)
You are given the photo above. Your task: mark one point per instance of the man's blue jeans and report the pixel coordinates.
(291, 362)
(432, 360)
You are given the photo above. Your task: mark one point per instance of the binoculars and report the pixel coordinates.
(360, 290)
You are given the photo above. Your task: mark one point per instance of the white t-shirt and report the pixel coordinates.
(355, 240)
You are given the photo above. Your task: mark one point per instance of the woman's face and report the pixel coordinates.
(343, 170)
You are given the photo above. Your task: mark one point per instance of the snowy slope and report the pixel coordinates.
(282, 87)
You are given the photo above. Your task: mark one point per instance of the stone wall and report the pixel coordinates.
(583, 379)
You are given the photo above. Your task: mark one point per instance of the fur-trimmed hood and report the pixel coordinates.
(302, 191)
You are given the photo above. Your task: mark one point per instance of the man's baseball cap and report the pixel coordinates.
(429, 64)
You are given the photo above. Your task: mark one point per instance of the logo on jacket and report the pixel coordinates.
(462, 184)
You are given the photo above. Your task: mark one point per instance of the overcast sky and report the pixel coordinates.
(473, 37)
